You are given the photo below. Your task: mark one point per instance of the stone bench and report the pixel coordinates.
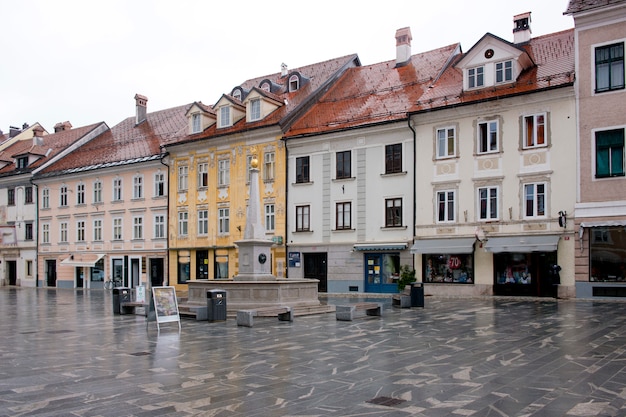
(128, 307)
(346, 312)
(197, 311)
(403, 299)
(246, 317)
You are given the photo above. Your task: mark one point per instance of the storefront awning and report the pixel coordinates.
(380, 246)
(82, 260)
(606, 223)
(546, 243)
(443, 246)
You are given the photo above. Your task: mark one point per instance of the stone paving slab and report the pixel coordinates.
(63, 353)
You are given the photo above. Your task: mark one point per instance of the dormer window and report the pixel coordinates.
(265, 86)
(22, 162)
(504, 72)
(476, 77)
(255, 109)
(225, 116)
(237, 94)
(294, 83)
(196, 123)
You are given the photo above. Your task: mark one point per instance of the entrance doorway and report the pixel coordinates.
(156, 272)
(315, 268)
(12, 272)
(51, 273)
(382, 272)
(80, 277)
(202, 264)
(135, 271)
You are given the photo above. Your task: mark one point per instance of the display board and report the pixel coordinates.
(165, 305)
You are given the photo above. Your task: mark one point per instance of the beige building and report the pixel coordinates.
(600, 211)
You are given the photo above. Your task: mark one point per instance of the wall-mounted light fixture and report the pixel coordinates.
(563, 219)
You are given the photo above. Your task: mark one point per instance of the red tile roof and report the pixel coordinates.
(127, 143)
(374, 94)
(50, 146)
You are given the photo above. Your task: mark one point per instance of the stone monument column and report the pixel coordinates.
(254, 248)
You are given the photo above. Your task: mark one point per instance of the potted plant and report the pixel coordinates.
(407, 276)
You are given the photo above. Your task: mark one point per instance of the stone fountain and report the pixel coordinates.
(255, 286)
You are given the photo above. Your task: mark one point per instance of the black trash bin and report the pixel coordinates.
(120, 295)
(417, 294)
(216, 305)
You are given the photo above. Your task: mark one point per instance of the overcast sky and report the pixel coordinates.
(83, 61)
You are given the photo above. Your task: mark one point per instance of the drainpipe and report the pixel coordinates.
(286, 206)
(414, 183)
(36, 231)
(167, 216)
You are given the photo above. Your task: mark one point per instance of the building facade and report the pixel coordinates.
(600, 216)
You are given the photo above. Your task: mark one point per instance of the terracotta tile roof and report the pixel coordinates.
(552, 54)
(50, 146)
(374, 94)
(317, 77)
(127, 143)
(576, 6)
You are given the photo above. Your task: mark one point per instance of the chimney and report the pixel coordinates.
(25, 126)
(141, 106)
(521, 28)
(283, 69)
(403, 46)
(38, 135)
(62, 126)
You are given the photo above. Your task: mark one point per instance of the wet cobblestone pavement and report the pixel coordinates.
(64, 353)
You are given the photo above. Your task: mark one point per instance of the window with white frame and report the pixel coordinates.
(609, 66)
(63, 232)
(203, 222)
(159, 226)
(117, 189)
(97, 192)
(249, 159)
(138, 187)
(117, 228)
(183, 177)
(269, 163)
(488, 203)
(45, 198)
(393, 212)
(183, 223)
(137, 227)
(535, 130)
(270, 217)
(97, 230)
(237, 94)
(255, 109)
(45, 233)
(504, 72)
(446, 206)
(203, 174)
(80, 231)
(196, 123)
(63, 196)
(223, 221)
(610, 153)
(225, 117)
(535, 199)
(80, 194)
(294, 83)
(303, 218)
(343, 216)
(159, 184)
(446, 142)
(223, 172)
(488, 137)
(476, 77)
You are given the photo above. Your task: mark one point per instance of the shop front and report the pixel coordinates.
(607, 259)
(382, 266)
(449, 261)
(525, 265)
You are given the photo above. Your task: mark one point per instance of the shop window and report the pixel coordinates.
(183, 270)
(450, 268)
(97, 272)
(606, 248)
(221, 264)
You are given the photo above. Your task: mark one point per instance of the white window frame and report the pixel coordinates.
(270, 217)
(97, 230)
(269, 166)
(294, 83)
(443, 142)
(97, 192)
(183, 178)
(223, 221)
(117, 189)
(63, 232)
(490, 194)
(138, 187)
(538, 199)
(159, 184)
(449, 206)
(196, 123)
(476, 77)
(80, 194)
(255, 109)
(63, 196)
(80, 230)
(137, 227)
(45, 198)
(505, 73)
(159, 226)
(118, 230)
(490, 148)
(183, 223)
(45, 232)
(533, 135)
(223, 172)
(203, 222)
(203, 174)
(225, 117)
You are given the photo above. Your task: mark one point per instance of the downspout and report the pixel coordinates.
(36, 193)
(286, 206)
(414, 184)
(167, 216)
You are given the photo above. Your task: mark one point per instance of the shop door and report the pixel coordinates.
(51, 273)
(315, 268)
(382, 272)
(202, 264)
(80, 277)
(135, 272)
(156, 272)
(12, 272)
